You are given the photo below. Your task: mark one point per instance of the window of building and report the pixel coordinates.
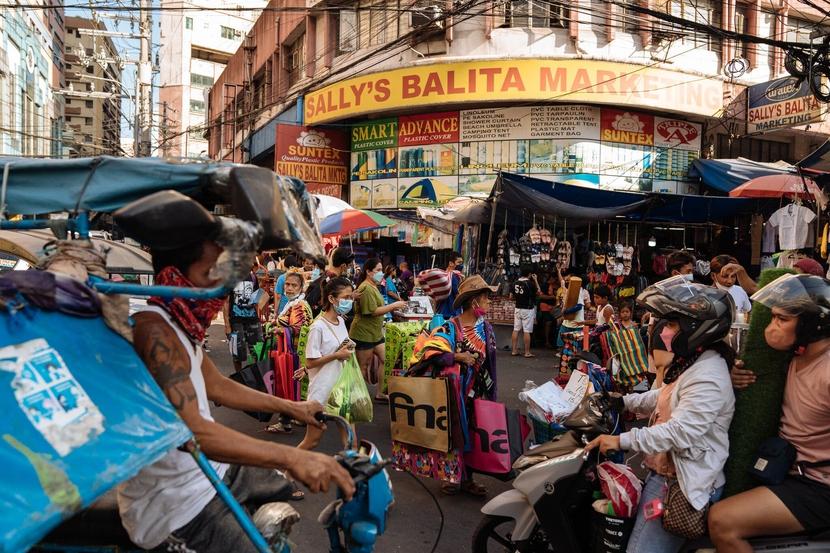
(294, 59)
(537, 14)
(742, 26)
(188, 23)
(346, 31)
(629, 19)
(196, 134)
(90, 70)
(88, 103)
(87, 120)
(201, 80)
(230, 33)
(699, 11)
(753, 148)
(87, 139)
(197, 105)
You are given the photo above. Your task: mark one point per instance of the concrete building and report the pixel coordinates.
(92, 66)
(586, 92)
(196, 43)
(31, 117)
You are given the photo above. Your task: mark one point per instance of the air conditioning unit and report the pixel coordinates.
(427, 17)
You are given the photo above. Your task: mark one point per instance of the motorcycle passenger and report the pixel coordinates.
(688, 438)
(800, 323)
(171, 502)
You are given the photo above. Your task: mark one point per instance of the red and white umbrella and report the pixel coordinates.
(777, 186)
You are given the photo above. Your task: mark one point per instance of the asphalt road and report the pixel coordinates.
(414, 521)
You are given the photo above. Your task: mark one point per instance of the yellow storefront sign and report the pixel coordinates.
(610, 83)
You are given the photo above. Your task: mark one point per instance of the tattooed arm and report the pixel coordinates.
(230, 393)
(167, 360)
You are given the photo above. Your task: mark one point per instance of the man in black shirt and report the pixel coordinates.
(525, 292)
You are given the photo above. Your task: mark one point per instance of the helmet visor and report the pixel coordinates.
(794, 294)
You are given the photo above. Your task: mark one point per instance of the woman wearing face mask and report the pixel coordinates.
(328, 347)
(725, 280)
(295, 316)
(464, 350)
(688, 438)
(367, 328)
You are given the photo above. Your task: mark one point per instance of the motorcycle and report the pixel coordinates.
(549, 508)
(82, 413)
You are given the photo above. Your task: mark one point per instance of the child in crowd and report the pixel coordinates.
(626, 314)
(605, 311)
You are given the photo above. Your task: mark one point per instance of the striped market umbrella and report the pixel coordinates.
(353, 220)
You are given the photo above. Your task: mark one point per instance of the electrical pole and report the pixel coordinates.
(164, 144)
(145, 81)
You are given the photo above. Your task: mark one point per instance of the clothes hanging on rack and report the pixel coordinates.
(793, 224)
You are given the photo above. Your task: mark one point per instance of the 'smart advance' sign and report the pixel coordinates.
(570, 80)
(780, 104)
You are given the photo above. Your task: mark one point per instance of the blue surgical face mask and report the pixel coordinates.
(344, 306)
(459, 267)
(378, 277)
(315, 274)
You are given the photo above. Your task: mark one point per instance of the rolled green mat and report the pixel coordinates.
(758, 407)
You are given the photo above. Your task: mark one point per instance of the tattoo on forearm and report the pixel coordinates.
(170, 367)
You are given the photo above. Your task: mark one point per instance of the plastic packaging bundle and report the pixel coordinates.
(621, 486)
(350, 397)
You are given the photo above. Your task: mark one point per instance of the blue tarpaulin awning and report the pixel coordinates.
(725, 174)
(104, 183)
(592, 204)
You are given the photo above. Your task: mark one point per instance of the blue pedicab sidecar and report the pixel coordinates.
(81, 413)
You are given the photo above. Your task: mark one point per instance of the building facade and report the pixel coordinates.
(434, 101)
(31, 116)
(93, 99)
(196, 44)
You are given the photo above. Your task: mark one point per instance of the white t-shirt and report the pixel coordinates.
(793, 222)
(324, 338)
(584, 299)
(168, 494)
(740, 297)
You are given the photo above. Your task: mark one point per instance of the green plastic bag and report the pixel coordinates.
(350, 397)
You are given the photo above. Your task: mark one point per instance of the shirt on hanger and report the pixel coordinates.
(793, 225)
(770, 236)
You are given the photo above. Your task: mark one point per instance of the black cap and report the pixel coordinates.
(341, 256)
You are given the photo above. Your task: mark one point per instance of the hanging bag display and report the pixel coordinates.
(627, 348)
(283, 362)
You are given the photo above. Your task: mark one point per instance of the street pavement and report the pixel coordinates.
(414, 520)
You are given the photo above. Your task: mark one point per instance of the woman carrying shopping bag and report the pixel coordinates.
(328, 348)
(294, 317)
(464, 350)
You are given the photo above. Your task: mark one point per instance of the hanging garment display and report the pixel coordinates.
(793, 223)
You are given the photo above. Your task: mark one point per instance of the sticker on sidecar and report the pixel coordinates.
(53, 401)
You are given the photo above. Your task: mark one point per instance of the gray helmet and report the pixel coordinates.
(704, 313)
(805, 296)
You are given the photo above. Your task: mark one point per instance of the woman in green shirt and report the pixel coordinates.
(367, 328)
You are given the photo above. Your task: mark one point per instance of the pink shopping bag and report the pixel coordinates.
(498, 436)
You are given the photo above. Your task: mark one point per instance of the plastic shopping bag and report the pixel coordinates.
(621, 486)
(350, 397)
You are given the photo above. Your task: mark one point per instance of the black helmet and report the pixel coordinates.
(704, 313)
(805, 296)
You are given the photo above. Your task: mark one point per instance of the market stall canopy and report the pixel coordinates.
(462, 209)
(581, 203)
(725, 174)
(121, 258)
(818, 161)
(777, 186)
